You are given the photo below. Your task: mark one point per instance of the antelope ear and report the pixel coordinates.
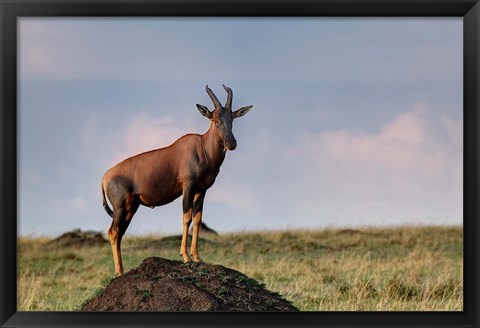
(242, 111)
(204, 111)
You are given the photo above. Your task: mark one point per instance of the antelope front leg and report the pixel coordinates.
(187, 219)
(197, 220)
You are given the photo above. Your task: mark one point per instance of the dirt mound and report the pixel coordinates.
(164, 285)
(78, 238)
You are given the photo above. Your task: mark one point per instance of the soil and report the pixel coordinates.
(78, 238)
(165, 285)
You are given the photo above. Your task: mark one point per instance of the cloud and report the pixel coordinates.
(403, 169)
(145, 132)
(402, 146)
(407, 127)
(106, 143)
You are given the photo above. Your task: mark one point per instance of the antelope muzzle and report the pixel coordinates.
(230, 143)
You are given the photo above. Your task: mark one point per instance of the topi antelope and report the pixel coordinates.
(188, 167)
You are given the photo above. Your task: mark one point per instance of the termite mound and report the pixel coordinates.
(164, 285)
(78, 238)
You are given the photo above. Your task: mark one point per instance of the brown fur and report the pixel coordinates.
(188, 167)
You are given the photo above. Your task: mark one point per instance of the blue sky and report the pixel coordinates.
(355, 121)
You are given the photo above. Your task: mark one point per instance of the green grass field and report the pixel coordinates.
(374, 269)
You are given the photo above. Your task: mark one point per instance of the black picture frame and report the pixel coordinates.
(11, 10)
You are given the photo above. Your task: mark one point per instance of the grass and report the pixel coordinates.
(394, 269)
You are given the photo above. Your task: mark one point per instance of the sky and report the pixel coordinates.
(356, 121)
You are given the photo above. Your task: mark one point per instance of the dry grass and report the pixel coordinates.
(397, 269)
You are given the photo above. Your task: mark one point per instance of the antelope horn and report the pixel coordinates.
(228, 104)
(214, 98)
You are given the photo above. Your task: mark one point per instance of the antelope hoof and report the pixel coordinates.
(186, 259)
(197, 259)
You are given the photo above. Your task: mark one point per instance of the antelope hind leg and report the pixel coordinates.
(121, 219)
(124, 205)
(115, 240)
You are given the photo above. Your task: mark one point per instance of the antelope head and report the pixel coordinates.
(222, 117)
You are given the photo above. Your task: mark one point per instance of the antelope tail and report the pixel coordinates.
(105, 205)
